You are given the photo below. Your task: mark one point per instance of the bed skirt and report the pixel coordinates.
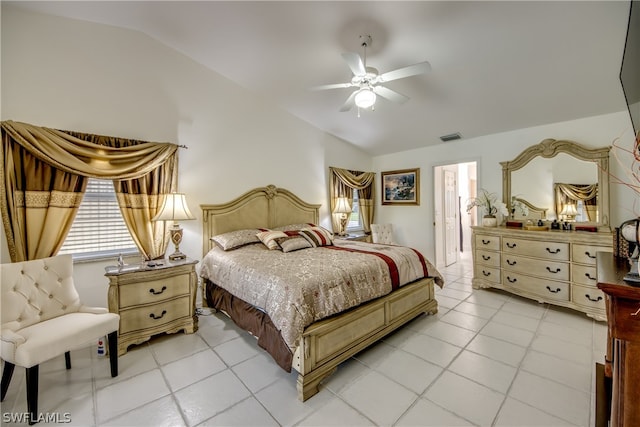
(253, 320)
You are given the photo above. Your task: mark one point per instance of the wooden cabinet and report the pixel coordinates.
(153, 300)
(623, 339)
(556, 267)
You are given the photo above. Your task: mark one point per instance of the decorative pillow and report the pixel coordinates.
(317, 236)
(293, 243)
(235, 239)
(269, 238)
(296, 227)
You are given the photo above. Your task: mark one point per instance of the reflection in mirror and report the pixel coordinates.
(532, 176)
(545, 173)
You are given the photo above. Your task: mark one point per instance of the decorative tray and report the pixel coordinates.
(536, 227)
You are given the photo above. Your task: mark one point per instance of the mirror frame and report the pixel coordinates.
(550, 148)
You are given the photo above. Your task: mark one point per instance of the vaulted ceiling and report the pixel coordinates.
(496, 66)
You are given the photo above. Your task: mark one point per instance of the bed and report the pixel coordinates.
(311, 340)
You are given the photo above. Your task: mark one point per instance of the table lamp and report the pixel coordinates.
(174, 209)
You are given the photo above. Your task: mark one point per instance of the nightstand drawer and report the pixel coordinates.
(155, 315)
(153, 291)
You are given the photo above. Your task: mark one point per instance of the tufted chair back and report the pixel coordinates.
(37, 290)
(382, 233)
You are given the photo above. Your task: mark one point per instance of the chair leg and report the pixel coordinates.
(112, 338)
(67, 359)
(6, 378)
(32, 393)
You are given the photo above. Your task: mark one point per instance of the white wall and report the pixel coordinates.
(414, 224)
(93, 78)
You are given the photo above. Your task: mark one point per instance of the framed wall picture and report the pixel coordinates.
(401, 187)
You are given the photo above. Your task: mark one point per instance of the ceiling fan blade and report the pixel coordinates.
(355, 63)
(332, 86)
(391, 95)
(349, 103)
(401, 73)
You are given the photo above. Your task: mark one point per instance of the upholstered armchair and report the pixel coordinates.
(382, 233)
(42, 318)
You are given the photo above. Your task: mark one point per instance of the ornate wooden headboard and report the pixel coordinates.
(263, 207)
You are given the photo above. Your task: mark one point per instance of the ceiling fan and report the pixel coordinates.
(369, 82)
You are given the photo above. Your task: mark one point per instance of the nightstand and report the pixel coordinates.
(153, 300)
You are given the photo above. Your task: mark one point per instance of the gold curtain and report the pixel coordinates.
(588, 193)
(37, 214)
(343, 182)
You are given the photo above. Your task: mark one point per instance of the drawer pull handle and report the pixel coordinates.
(594, 299)
(486, 242)
(589, 276)
(557, 250)
(486, 273)
(511, 262)
(486, 257)
(636, 313)
(153, 291)
(557, 270)
(511, 245)
(552, 291)
(511, 280)
(153, 316)
(589, 255)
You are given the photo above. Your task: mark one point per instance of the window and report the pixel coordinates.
(98, 230)
(354, 219)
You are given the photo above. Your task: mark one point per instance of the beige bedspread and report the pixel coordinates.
(298, 288)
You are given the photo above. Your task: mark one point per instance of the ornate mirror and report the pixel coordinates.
(554, 177)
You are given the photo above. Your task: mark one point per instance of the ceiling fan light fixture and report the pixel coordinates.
(365, 98)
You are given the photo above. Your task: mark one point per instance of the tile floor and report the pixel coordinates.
(486, 359)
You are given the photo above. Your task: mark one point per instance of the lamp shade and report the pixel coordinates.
(174, 208)
(365, 98)
(569, 209)
(342, 206)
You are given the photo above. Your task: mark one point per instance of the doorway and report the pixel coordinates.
(454, 184)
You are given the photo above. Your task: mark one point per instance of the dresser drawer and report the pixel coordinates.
(484, 241)
(153, 291)
(151, 316)
(553, 270)
(584, 275)
(491, 274)
(557, 251)
(586, 254)
(547, 289)
(488, 258)
(588, 296)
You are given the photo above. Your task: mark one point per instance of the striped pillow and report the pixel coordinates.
(269, 238)
(317, 236)
(293, 243)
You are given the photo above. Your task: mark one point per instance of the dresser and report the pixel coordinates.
(153, 300)
(622, 362)
(554, 266)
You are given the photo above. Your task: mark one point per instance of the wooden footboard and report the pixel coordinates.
(328, 343)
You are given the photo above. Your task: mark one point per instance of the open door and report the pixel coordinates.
(451, 218)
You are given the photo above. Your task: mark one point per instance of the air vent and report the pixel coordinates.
(450, 137)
